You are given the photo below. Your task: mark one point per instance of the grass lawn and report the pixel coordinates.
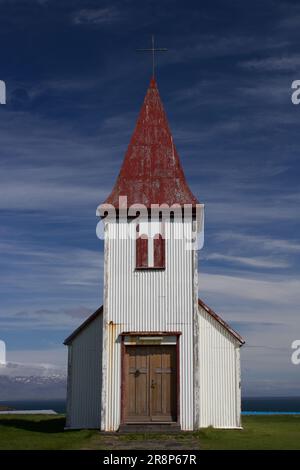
(47, 432)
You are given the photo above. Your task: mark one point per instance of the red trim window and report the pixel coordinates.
(159, 251)
(142, 251)
(150, 251)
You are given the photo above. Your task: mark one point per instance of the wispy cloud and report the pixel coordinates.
(280, 291)
(283, 63)
(265, 311)
(255, 262)
(28, 356)
(263, 242)
(219, 46)
(289, 18)
(52, 285)
(96, 16)
(30, 362)
(43, 319)
(46, 165)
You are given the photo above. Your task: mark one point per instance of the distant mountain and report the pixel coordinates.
(32, 382)
(32, 387)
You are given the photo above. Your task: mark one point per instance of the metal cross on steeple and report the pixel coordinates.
(153, 50)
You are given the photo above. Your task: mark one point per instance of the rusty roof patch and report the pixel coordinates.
(151, 172)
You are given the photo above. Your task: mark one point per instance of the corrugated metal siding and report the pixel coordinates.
(84, 377)
(219, 397)
(147, 301)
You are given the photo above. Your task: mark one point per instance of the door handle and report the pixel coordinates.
(153, 384)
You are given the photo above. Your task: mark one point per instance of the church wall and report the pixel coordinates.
(219, 375)
(146, 300)
(84, 377)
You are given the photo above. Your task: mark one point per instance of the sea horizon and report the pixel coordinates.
(249, 404)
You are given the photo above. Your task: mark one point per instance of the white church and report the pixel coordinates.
(154, 355)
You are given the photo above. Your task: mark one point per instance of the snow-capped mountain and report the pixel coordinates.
(13, 369)
(31, 381)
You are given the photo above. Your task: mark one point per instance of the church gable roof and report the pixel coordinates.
(151, 172)
(99, 311)
(221, 321)
(83, 325)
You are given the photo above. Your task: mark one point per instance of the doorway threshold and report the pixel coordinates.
(149, 427)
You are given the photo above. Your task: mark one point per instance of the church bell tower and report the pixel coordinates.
(150, 281)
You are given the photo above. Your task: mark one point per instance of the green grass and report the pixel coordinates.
(47, 432)
(259, 433)
(24, 432)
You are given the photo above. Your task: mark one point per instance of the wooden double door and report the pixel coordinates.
(150, 387)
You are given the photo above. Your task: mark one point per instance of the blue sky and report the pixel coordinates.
(75, 84)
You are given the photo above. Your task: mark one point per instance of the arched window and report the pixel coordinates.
(159, 249)
(150, 251)
(142, 251)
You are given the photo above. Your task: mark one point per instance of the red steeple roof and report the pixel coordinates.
(151, 172)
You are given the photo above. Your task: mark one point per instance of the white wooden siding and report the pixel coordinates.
(146, 301)
(219, 375)
(84, 377)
